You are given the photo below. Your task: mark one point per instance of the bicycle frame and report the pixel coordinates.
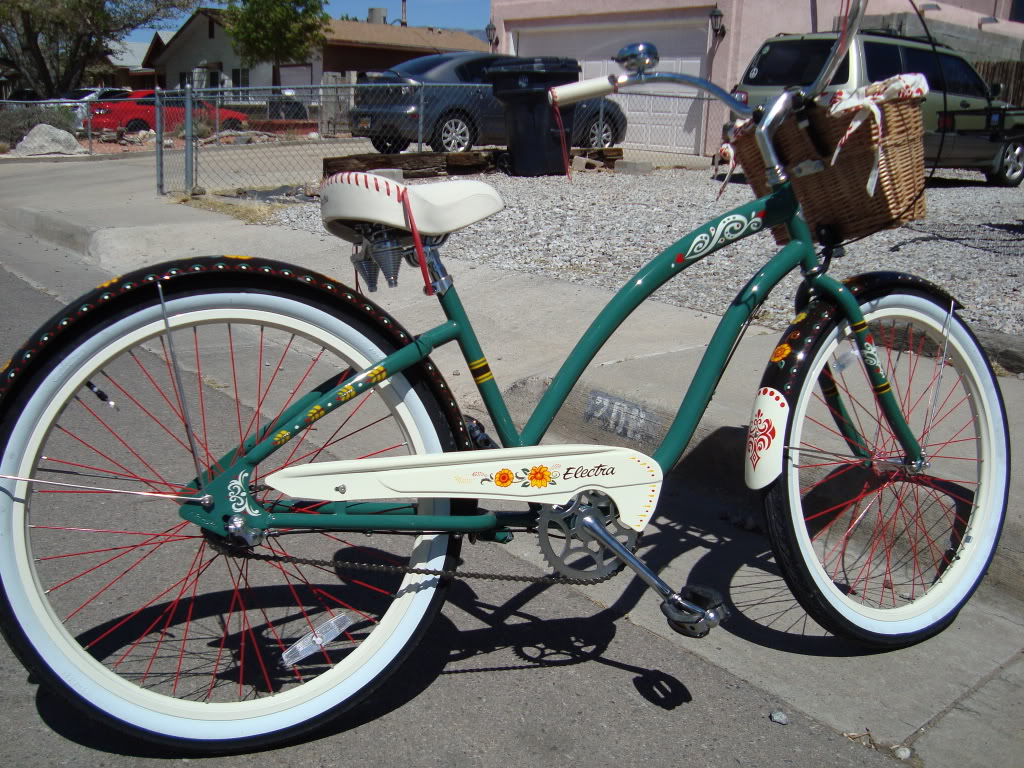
(778, 208)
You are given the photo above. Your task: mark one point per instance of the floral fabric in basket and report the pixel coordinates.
(864, 103)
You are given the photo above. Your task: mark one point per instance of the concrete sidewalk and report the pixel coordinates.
(966, 714)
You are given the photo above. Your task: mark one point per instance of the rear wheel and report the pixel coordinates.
(1011, 166)
(147, 620)
(599, 134)
(454, 133)
(875, 550)
(136, 125)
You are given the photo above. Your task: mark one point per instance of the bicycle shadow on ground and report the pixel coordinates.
(515, 639)
(707, 511)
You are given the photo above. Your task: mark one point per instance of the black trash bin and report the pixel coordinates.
(286, 106)
(534, 144)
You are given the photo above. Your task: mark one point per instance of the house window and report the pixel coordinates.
(184, 78)
(213, 79)
(210, 27)
(240, 79)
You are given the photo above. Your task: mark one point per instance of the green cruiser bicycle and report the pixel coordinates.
(193, 452)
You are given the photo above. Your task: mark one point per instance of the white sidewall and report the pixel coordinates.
(124, 700)
(946, 596)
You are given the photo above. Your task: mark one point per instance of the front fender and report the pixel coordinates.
(769, 419)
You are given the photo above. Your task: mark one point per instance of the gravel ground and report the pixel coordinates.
(600, 228)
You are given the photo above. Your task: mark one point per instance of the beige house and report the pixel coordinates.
(200, 53)
(593, 30)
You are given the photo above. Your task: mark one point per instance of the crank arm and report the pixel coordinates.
(693, 611)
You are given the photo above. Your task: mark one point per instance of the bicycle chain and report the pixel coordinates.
(401, 569)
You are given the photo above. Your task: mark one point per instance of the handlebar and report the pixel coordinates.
(776, 113)
(561, 95)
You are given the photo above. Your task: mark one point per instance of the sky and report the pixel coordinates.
(452, 14)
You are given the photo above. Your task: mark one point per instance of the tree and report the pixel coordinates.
(276, 31)
(49, 43)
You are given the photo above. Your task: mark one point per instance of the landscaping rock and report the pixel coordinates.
(46, 140)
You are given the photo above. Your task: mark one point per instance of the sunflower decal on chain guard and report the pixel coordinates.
(535, 477)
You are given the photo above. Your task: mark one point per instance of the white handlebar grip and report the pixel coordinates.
(561, 95)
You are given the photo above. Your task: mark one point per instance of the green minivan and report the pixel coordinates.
(978, 130)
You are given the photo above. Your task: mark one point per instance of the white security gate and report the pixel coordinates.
(658, 119)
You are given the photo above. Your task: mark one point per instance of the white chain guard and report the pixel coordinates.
(547, 474)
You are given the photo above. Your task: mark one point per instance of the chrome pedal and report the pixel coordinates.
(695, 610)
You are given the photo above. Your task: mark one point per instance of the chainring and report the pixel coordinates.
(582, 558)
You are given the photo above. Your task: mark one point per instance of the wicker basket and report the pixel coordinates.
(837, 196)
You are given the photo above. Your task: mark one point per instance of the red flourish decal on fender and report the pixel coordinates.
(760, 436)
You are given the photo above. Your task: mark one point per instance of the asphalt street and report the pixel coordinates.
(507, 676)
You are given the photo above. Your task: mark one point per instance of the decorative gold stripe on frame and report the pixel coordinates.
(483, 377)
(858, 327)
(478, 364)
(882, 389)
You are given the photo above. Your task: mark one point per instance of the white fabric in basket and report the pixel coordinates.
(864, 103)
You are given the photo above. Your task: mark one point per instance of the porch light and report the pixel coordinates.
(717, 22)
(492, 33)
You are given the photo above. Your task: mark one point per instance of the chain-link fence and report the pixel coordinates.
(259, 138)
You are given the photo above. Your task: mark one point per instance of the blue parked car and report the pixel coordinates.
(455, 119)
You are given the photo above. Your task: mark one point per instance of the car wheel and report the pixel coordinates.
(598, 134)
(232, 124)
(136, 125)
(389, 146)
(454, 133)
(1011, 166)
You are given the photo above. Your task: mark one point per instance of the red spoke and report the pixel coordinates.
(157, 387)
(177, 487)
(146, 411)
(116, 578)
(143, 607)
(188, 627)
(173, 536)
(273, 630)
(170, 611)
(244, 573)
(201, 389)
(108, 549)
(224, 634)
(128, 473)
(234, 384)
(259, 387)
(153, 470)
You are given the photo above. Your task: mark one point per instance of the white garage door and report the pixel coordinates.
(660, 119)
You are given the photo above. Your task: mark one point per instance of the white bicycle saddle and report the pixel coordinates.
(438, 209)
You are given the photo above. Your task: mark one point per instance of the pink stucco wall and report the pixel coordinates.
(747, 22)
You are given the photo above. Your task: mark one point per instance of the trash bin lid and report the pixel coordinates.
(539, 64)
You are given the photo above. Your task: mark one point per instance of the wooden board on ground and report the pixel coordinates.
(416, 165)
(419, 165)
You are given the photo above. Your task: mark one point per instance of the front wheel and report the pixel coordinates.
(875, 549)
(147, 621)
(1011, 166)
